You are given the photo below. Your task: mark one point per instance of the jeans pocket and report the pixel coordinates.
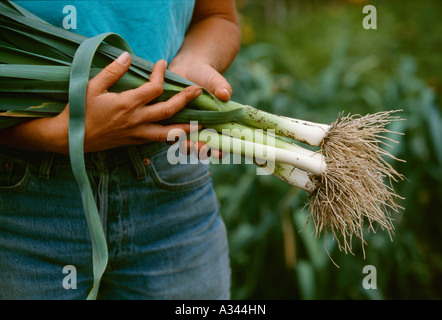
(14, 173)
(177, 177)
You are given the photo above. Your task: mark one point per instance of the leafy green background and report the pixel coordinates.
(312, 60)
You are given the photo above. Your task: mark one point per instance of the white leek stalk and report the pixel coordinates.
(259, 151)
(344, 176)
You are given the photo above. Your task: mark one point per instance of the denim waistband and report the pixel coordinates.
(135, 155)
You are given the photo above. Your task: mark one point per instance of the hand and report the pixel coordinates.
(118, 119)
(203, 74)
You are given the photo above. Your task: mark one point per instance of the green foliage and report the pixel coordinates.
(313, 62)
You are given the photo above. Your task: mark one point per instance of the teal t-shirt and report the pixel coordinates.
(154, 29)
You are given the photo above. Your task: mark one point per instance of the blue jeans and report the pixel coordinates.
(165, 236)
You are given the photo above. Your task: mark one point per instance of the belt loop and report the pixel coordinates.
(45, 166)
(139, 167)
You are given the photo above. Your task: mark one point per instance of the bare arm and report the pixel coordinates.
(210, 46)
(112, 119)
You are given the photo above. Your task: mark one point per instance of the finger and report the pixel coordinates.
(224, 93)
(160, 133)
(218, 154)
(172, 142)
(202, 150)
(165, 110)
(186, 147)
(107, 77)
(219, 86)
(150, 90)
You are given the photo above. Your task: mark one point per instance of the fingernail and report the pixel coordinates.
(123, 59)
(198, 92)
(227, 92)
(165, 63)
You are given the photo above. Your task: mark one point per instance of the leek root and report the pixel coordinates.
(347, 177)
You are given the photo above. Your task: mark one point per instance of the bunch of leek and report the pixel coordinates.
(42, 68)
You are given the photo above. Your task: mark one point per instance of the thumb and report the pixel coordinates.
(219, 86)
(111, 74)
